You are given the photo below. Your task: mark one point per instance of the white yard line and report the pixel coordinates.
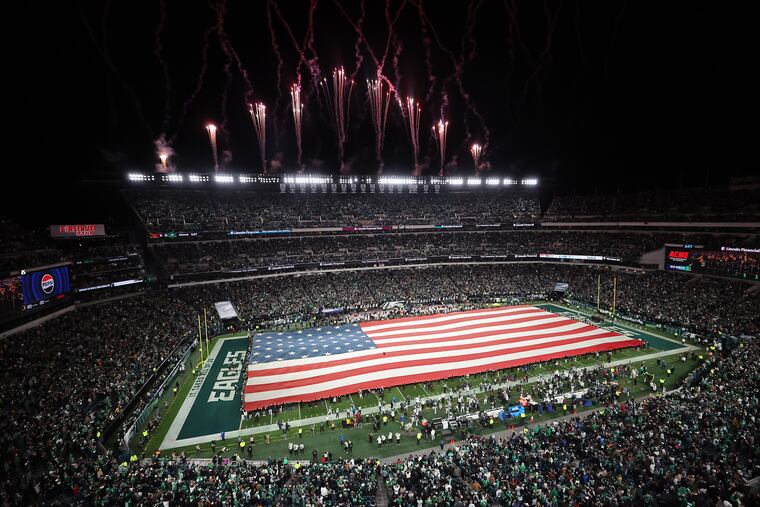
(372, 410)
(187, 404)
(173, 443)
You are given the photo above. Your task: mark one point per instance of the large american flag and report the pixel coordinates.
(286, 367)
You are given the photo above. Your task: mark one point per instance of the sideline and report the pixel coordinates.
(507, 433)
(169, 444)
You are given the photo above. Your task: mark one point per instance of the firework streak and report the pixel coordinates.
(295, 97)
(439, 134)
(258, 114)
(378, 105)
(211, 129)
(411, 113)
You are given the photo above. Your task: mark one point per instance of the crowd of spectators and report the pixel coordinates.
(662, 298)
(62, 382)
(208, 210)
(695, 447)
(42, 253)
(231, 255)
(179, 481)
(688, 205)
(674, 300)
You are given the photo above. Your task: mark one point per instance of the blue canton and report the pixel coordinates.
(318, 342)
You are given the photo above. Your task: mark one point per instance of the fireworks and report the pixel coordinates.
(439, 133)
(411, 113)
(295, 98)
(164, 152)
(378, 105)
(339, 99)
(211, 129)
(475, 150)
(259, 116)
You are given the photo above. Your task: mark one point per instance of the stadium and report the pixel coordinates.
(511, 310)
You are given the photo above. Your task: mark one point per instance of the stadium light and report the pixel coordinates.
(530, 181)
(510, 181)
(492, 181)
(396, 180)
(245, 179)
(224, 178)
(139, 177)
(473, 181)
(173, 178)
(309, 180)
(197, 178)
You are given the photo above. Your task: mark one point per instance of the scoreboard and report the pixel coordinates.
(680, 257)
(732, 261)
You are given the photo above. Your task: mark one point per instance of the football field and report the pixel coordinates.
(212, 404)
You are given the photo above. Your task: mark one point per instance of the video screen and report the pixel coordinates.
(11, 298)
(44, 285)
(735, 262)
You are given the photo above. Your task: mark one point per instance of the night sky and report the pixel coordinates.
(591, 95)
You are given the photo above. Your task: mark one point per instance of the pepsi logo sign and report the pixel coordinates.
(47, 283)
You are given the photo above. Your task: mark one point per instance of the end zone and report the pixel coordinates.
(213, 403)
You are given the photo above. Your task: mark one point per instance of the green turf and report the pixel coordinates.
(362, 447)
(319, 408)
(329, 440)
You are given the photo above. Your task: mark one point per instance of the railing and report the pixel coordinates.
(114, 425)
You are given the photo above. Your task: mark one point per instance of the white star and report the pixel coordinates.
(327, 354)
(267, 356)
(291, 353)
(299, 331)
(319, 329)
(280, 350)
(279, 334)
(315, 350)
(279, 359)
(308, 334)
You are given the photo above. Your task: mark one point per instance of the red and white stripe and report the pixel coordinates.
(417, 349)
